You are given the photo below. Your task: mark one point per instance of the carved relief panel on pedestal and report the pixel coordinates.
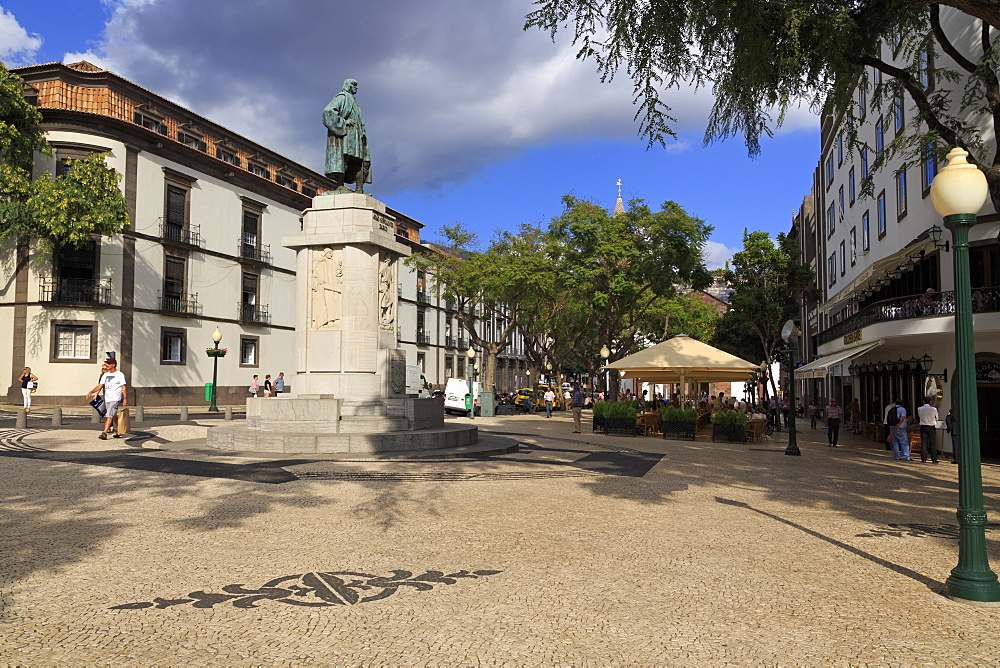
(327, 289)
(387, 291)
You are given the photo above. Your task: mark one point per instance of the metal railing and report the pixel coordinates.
(190, 235)
(449, 341)
(423, 297)
(984, 300)
(185, 304)
(253, 313)
(449, 305)
(423, 337)
(463, 344)
(75, 290)
(255, 252)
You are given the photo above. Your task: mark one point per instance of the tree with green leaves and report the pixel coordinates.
(491, 286)
(64, 211)
(769, 286)
(760, 58)
(616, 268)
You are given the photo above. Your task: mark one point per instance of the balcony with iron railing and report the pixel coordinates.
(423, 337)
(984, 300)
(179, 304)
(423, 297)
(75, 290)
(449, 341)
(253, 313)
(463, 344)
(187, 236)
(254, 252)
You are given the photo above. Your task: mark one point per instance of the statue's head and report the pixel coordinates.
(350, 86)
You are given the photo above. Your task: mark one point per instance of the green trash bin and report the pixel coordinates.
(209, 388)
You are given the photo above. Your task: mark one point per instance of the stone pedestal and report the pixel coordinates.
(350, 377)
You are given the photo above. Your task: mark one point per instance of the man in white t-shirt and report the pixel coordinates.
(549, 397)
(115, 395)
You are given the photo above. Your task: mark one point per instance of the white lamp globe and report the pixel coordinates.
(959, 187)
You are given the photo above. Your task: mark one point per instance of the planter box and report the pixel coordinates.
(598, 426)
(619, 427)
(216, 353)
(679, 430)
(730, 433)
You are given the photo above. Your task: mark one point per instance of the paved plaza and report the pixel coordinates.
(575, 549)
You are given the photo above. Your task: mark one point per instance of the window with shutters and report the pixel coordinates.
(176, 223)
(73, 341)
(173, 297)
(173, 345)
(176, 213)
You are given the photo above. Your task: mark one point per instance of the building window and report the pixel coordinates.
(192, 141)
(879, 138)
(850, 185)
(831, 269)
(259, 170)
(421, 361)
(840, 150)
(881, 214)
(901, 194)
(248, 351)
(227, 156)
(173, 345)
(840, 199)
(926, 67)
(150, 121)
(854, 246)
(928, 168)
(831, 220)
(864, 163)
(286, 181)
(449, 364)
(460, 370)
(73, 341)
(865, 232)
(862, 102)
(176, 205)
(248, 297)
(843, 258)
(829, 170)
(898, 114)
(174, 273)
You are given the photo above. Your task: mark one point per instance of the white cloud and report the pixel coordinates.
(446, 88)
(16, 45)
(716, 255)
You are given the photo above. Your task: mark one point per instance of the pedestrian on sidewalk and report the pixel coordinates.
(549, 398)
(28, 381)
(951, 424)
(115, 395)
(928, 416)
(279, 384)
(896, 419)
(813, 411)
(576, 402)
(854, 412)
(254, 387)
(268, 387)
(834, 414)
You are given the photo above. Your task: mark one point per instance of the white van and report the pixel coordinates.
(415, 382)
(455, 393)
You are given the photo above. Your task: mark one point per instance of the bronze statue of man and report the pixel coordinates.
(347, 157)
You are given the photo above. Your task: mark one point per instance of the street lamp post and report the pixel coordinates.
(605, 353)
(958, 192)
(788, 334)
(470, 372)
(216, 338)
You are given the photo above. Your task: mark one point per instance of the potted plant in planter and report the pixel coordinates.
(679, 423)
(619, 419)
(729, 426)
(600, 411)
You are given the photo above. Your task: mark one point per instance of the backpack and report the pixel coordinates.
(893, 418)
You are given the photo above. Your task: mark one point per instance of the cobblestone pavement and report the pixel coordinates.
(579, 549)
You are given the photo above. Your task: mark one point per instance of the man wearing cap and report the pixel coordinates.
(115, 394)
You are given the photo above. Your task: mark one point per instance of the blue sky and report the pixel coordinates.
(471, 119)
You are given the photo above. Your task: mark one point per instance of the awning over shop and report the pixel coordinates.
(818, 368)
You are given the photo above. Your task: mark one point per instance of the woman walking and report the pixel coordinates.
(254, 387)
(834, 414)
(28, 381)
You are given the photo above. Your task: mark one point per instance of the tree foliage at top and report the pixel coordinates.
(61, 211)
(761, 57)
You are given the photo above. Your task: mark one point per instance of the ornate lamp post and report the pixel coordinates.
(788, 333)
(958, 192)
(470, 373)
(215, 354)
(605, 353)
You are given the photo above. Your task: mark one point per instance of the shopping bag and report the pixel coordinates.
(98, 404)
(124, 422)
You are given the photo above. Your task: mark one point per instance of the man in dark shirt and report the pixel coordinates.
(576, 403)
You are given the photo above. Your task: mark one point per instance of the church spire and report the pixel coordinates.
(619, 206)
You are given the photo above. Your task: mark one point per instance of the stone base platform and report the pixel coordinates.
(240, 438)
